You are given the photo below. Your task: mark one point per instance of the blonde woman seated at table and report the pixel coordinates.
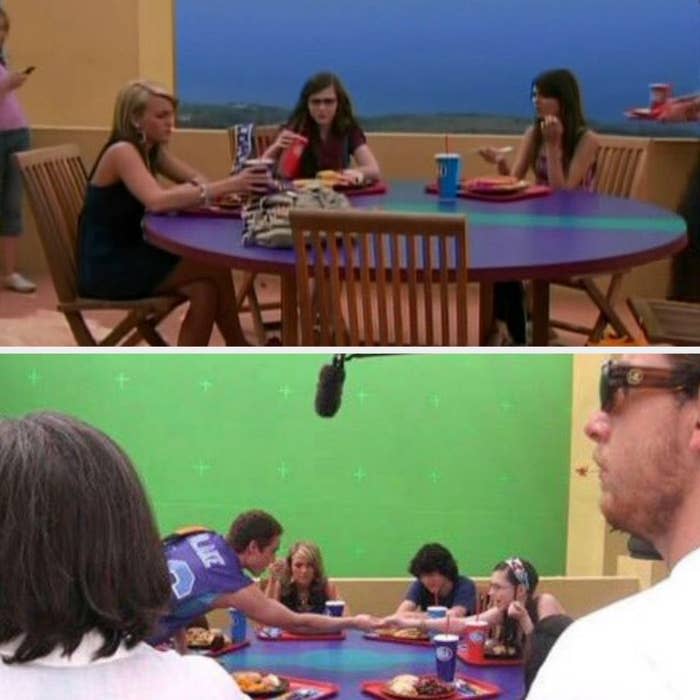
(513, 604)
(114, 260)
(561, 151)
(324, 115)
(299, 582)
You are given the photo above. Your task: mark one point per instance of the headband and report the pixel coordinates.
(516, 565)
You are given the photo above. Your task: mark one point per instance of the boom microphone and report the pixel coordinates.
(330, 387)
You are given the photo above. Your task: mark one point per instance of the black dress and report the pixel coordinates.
(114, 260)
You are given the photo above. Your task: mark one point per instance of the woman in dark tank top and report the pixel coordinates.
(300, 582)
(114, 260)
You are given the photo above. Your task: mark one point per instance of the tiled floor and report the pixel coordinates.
(31, 320)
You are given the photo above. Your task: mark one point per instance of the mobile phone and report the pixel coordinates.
(29, 70)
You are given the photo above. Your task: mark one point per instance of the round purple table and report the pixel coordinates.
(350, 662)
(540, 239)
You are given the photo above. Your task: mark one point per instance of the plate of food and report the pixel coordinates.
(496, 184)
(498, 650)
(228, 201)
(260, 685)
(408, 633)
(407, 685)
(206, 639)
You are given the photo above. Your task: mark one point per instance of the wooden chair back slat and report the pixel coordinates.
(380, 278)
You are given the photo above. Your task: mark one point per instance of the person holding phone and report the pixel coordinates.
(14, 137)
(114, 259)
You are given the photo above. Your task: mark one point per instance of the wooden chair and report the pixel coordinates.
(619, 172)
(55, 180)
(377, 278)
(246, 296)
(669, 322)
(263, 136)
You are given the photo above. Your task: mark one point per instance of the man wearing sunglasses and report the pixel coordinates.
(647, 437)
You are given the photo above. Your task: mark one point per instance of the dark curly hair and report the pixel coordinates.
(253, 526)
(432, 558)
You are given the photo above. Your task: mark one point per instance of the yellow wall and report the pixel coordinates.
(84, 51)
(592, 548)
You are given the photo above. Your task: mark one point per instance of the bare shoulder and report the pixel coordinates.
(590, 139)
(548, 604)
(122, 151)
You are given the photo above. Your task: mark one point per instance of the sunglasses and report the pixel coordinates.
(617, 375)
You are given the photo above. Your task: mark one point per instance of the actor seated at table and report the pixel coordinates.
(324, 115)
(514, 608)
(299, 581)
(83, 579)
(114, 260)
(561, 151)
(438, 583)
(207, 573)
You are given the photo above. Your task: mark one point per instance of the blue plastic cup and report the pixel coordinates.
(436, 612)
(335, 608)
(446, 656)
(238, 626)
(448, 167)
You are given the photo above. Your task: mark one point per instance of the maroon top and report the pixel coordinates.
(332, 154)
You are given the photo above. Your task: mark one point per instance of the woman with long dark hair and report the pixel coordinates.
(324, 116)
(561, 151)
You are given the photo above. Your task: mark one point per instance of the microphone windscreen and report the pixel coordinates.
(329, 389)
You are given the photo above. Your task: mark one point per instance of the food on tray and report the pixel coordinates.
(229, 201)
(407, 633)
(405, 684)
(332, 177)
(202, 638)
(496, 183)
(496, 649)
(256, 683)
(410, 686)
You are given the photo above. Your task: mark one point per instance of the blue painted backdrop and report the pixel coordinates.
(418, 56)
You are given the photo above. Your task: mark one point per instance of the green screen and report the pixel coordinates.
(468, 450)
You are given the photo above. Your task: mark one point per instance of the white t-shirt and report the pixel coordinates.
(644, 646)
(133, 674)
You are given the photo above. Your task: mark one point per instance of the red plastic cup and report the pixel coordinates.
(289, 162)
(476, 632)
(659, 93)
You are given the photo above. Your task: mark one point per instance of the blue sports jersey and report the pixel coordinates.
(202, 567)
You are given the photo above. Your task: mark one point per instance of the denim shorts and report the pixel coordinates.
(11, 142)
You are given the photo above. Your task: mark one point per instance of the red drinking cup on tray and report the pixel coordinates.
(289, 162)
(476, 632)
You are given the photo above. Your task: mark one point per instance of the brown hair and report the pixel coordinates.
(79, 546)
(562, 85)
(253, 526)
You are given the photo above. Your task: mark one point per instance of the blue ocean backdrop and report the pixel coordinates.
(440, 56)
